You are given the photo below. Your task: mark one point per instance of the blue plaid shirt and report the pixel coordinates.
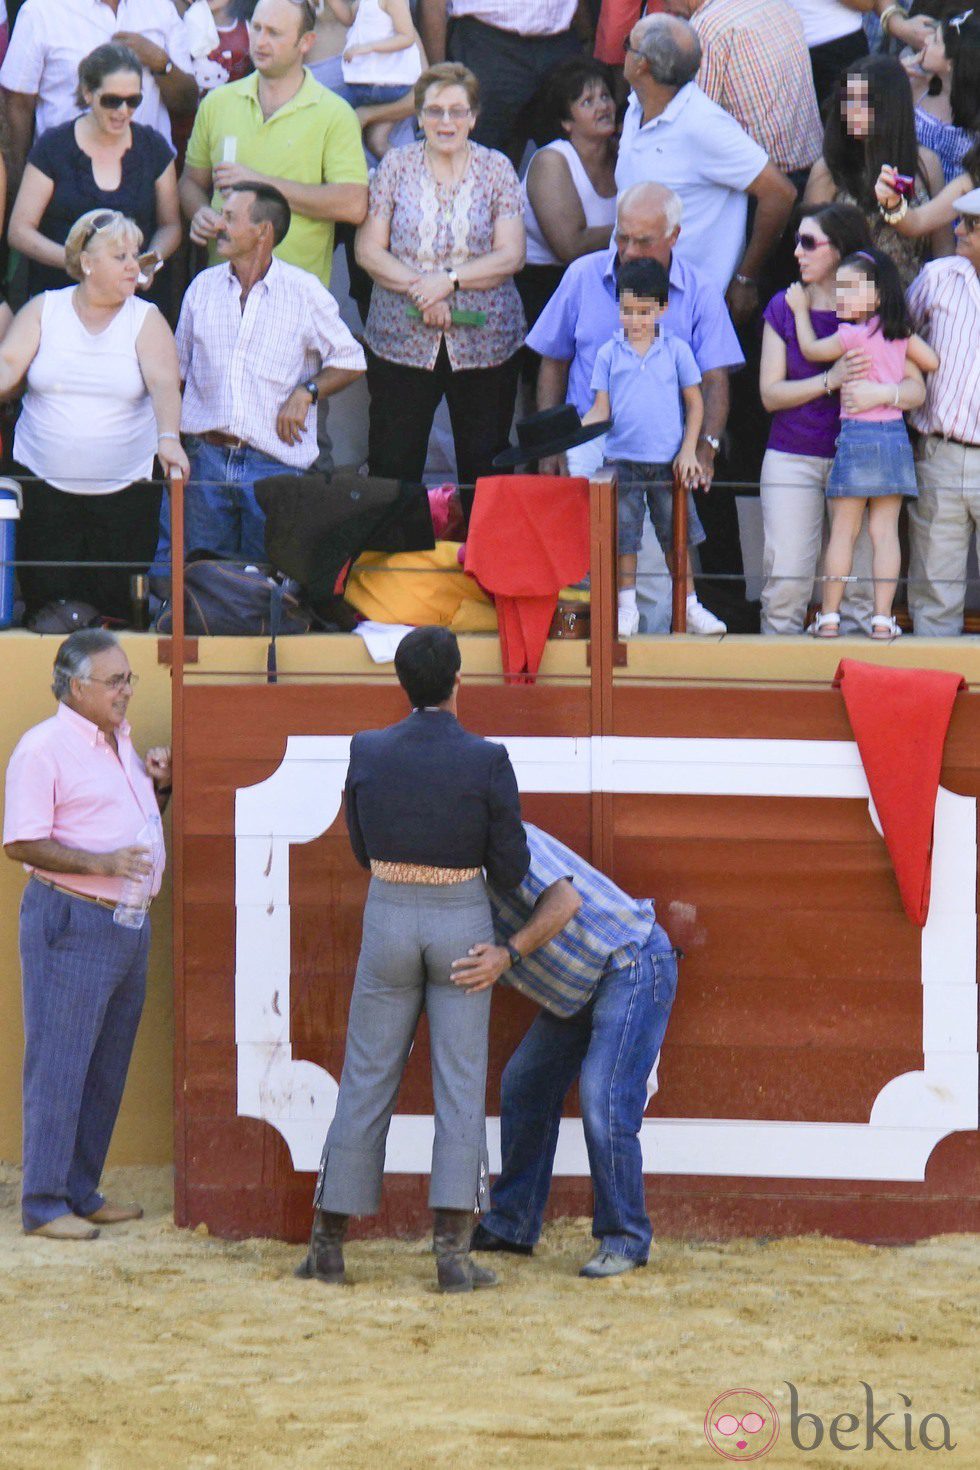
(562, 974)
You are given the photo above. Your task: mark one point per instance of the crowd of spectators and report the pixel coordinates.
(178, 179)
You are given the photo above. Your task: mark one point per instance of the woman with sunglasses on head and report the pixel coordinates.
(101, 160)
(871, 124)
(102, 399)
(805, 405)
(444, 234)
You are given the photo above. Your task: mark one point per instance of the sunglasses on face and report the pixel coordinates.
(810, 242)
(112, 102)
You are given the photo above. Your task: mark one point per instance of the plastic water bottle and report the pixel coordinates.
(131, 909)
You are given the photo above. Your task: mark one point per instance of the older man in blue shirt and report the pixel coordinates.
(584, 313)
(605, 974)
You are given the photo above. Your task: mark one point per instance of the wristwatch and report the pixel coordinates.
(713, 440)
(311, 387)
(164, 71)
(515, 954)
(454, 278)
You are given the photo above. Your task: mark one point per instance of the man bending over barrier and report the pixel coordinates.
(605, 974)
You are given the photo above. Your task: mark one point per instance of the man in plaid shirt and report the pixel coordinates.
(605, 974)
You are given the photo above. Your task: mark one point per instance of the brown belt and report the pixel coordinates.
(419, 873)
(103, 903)
(223, 441)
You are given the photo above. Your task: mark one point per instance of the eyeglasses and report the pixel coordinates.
(112, 102)
(750, 1423)
(454, 114)
(810, 242)
(116, 682)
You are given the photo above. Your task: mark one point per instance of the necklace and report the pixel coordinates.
(455, 180)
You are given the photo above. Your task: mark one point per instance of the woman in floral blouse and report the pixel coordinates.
(444, 233)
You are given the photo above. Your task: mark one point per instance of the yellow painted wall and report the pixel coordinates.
(144, 1133)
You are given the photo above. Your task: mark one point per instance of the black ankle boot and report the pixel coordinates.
(325, 1257)
(451, 1243)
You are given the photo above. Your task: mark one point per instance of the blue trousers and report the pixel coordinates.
(84, 981)
(610, 1045)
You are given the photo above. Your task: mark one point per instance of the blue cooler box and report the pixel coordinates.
(10, 507)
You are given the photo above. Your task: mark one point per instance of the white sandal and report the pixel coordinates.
(825, 625)
(884, 629)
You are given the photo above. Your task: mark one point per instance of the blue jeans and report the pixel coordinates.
(610, 1045)
(221, 513)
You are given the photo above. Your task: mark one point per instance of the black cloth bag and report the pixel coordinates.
(316, 524)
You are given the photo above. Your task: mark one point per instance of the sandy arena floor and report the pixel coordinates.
(154, 1347)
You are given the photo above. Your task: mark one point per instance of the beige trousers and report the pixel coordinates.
(943, 521)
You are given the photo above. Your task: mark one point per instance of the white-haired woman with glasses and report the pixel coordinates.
(101, 160)
(444, 233)
(102, 399)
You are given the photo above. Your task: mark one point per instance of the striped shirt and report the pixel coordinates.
(944, 302)
(239, 366)
(525, 17)
(563, 973)
(756, 66)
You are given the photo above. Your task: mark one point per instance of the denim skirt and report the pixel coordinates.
(872, 459)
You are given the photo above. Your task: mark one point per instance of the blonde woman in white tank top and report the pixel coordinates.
(103, 397)
(570, 186)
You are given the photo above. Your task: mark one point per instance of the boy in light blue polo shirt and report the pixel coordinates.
(648, 382)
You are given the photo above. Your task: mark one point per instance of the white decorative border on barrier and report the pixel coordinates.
(911, 1113)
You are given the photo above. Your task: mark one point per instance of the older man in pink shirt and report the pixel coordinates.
(79, 805)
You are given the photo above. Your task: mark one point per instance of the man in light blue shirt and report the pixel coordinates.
(584, 313)
(604, 974)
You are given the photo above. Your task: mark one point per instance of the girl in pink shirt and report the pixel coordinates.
(873, 465)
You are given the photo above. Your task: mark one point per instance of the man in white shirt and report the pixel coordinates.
(675, 135)
(512, 47)
(260, 342)
(944, 301)
(50, 37)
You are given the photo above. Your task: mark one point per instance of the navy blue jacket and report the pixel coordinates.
(427, 791)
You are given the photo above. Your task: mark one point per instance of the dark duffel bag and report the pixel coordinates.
(235, 599)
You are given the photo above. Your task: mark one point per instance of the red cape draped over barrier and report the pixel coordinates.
(528, 537)
(900, 718)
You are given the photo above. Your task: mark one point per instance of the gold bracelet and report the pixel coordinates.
(886, 16)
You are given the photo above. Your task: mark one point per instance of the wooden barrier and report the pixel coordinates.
(820, 1068)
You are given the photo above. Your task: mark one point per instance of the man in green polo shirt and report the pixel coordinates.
(280, 127)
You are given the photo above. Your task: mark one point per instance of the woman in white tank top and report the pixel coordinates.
(570, 186)
(103, 397)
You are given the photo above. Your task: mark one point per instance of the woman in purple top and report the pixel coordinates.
(805, 408)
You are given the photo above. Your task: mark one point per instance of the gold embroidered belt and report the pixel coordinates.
(419, 873)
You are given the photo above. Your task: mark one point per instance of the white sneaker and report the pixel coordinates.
(629, 622)
(701, 621)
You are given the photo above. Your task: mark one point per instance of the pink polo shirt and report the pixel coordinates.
(66, 782)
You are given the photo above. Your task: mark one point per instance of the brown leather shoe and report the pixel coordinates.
(110, 1214)
(65, 1227)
